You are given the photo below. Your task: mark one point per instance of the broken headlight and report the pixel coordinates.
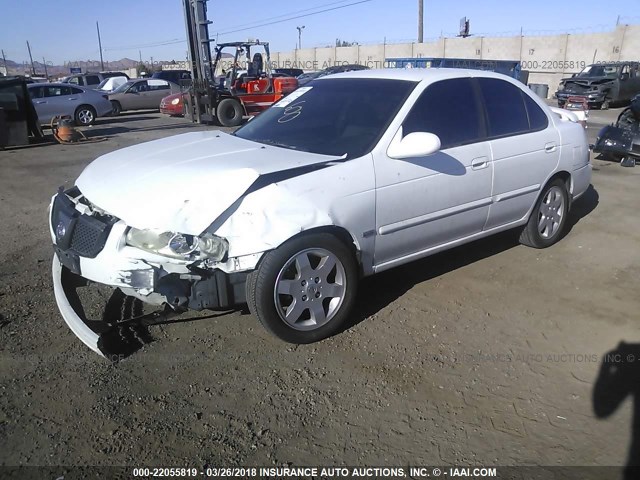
(179, 245)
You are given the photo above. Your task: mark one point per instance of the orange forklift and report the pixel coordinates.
(241, 91)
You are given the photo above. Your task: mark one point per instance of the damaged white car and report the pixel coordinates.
(350, 175)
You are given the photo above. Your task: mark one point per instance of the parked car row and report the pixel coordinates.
(85, 104)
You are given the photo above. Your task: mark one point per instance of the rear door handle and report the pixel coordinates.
(550, 147)
(72, 98)
(41, 101)
(479, 163)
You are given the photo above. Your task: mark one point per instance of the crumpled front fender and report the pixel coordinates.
(267, 218)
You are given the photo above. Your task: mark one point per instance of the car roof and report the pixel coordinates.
(54, 84)
(415, 74)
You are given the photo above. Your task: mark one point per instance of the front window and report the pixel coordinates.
(341, 116)
(600, 71)
(123, 88)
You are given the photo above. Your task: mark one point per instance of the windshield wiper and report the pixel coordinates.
(277, 144)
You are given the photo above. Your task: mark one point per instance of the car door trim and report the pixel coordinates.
(430, 217)
(516, 193)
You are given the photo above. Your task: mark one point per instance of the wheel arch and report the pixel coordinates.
(341, 233)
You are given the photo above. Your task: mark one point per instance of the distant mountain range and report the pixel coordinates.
(15, 68)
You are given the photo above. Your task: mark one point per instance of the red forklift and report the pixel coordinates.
(239, 91)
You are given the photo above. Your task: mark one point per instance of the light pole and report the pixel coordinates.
(300, 36)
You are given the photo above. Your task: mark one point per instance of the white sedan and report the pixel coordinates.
(348, 176)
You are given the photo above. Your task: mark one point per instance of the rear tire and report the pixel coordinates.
(304, 291)
(549, 216)
(229, 112)
(85, 115)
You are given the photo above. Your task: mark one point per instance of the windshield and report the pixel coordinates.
(600, 71)
(331, 117)
(123, 87)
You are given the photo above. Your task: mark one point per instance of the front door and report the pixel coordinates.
(433, 200)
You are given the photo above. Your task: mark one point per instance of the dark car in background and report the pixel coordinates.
(173, 76)
(289, 72)
(602, 84)
(141, 94)
(307, 77)
(91, 79)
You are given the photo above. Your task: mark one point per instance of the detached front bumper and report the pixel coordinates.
(71, 308)
(92, 249)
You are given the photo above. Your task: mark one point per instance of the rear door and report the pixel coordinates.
(629, 82)
(92, 81)
(525, 149)
(157, 90)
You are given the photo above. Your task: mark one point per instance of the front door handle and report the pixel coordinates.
(550, 147)
(479, 163)
(41, 101)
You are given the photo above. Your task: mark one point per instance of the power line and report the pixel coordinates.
(287, 14)
(174, 41)
(293, 18)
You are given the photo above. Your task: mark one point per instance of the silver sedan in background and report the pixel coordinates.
(82, 104)
(141, 94)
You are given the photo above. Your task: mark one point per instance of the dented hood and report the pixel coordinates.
(184, 182)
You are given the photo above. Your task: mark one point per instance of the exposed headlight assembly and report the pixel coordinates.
(179, 245)
(175, 101)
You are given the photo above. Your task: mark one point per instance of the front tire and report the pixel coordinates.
(85, 115)
(229, 112)
(116, 108)
(549, 216)
(304, 291)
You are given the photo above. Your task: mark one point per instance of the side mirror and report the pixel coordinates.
(417, 144)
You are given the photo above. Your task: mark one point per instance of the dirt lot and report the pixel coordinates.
(487, 354)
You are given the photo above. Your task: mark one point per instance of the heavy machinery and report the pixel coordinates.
(249, 87)
(245, 93)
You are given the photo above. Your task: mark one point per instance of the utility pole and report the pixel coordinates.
(46, 73)
(300, 36)
(4, 59)
(100, 47)
(420, 21)
(33, 69)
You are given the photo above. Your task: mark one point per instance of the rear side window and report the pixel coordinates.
(57, 91)
(36, 92)
(92, 79)
(506, 113)
(450, 110)
(75, 91)
(537, 118)
(158, 84)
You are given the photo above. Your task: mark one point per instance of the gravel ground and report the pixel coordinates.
(486, 354)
